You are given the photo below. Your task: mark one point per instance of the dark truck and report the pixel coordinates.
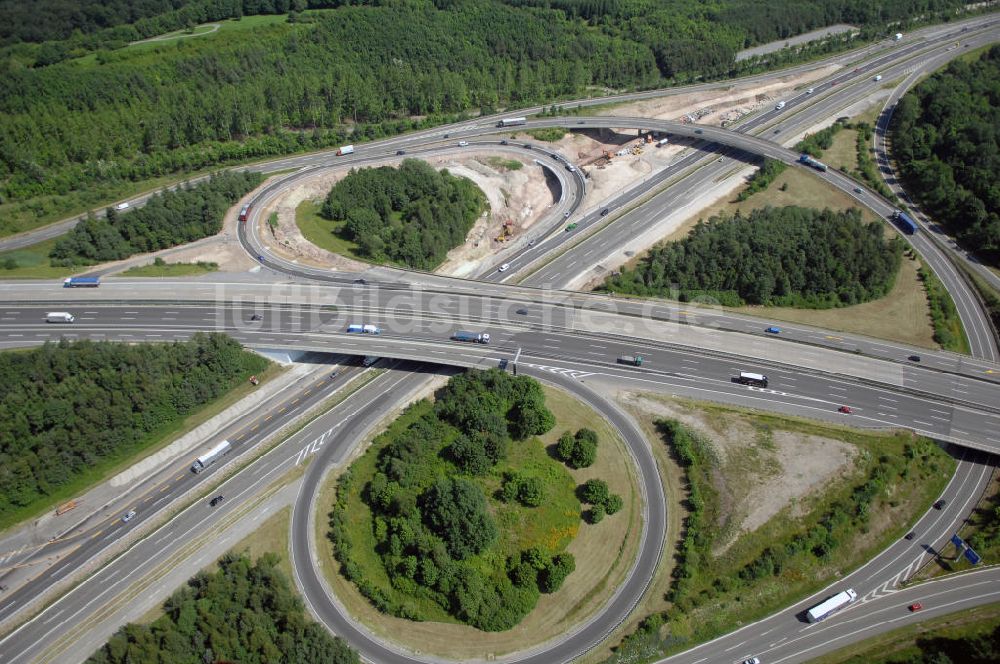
(472, 337)
(632, 360)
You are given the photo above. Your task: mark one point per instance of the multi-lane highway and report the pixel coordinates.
(569, 338)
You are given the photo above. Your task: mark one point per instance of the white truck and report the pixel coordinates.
(831, 605)
(363, 329)
(347, 149)
(780, 105)
(210, 457)
(59, 317)
(663, 141)
(512, 122)
(749, 378)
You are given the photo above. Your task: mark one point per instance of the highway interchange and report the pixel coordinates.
(572, 340)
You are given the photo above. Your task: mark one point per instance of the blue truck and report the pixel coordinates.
(472, 337)
(82, 282)
(904, 222)
(809, 161)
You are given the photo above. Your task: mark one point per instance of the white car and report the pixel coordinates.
(504, 267)
(121, 206)
(128, 516)
(752, 660)
(809, 91)
(879, 77)
(463, 144)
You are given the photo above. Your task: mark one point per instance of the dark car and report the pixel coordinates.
(528, 145)
(604, 212)
(446, 135)
(523, 312)
(400, 151)
(910, 535)
(256, 317)
(914, 358)
(215, 501)
(940, 504)
(699, 131)
(361, 282)
(503, 142)
(503, 364)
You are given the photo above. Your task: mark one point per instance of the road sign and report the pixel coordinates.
(972, 556)
(957, 541)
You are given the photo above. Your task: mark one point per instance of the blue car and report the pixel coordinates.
(773, 330)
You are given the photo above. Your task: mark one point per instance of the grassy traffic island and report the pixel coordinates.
(409, 216)
(485, 521)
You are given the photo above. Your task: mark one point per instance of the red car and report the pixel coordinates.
(845, 409)
(916, 606)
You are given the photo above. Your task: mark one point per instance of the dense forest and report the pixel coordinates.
(946, 139)
(166, 220)
(244, 612)
(72, 128)
(411, 215)
(788, 256)
(66, 407)
(435, 517)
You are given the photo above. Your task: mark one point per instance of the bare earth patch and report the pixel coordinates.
(287, 240)
(518, 196)
(762, 472)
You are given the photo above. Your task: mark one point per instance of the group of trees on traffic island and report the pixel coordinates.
(788, 256)
(69, 407)
(167, 219)
(246, 612)
(411, 215)
(432, 492)
(946, 140)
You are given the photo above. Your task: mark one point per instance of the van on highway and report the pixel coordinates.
(59, 317)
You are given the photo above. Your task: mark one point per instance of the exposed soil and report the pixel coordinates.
(287, 241)
(519, 196)
(760, 473)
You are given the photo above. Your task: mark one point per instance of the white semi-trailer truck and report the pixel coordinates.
(210, 457)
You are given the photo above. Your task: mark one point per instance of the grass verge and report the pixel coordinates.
(322, 232)
(160, 268)
(32, 262)
(726, 575)
(948, 329)
(903, 315)
(502, 164)
(548, 134)
(903, 644)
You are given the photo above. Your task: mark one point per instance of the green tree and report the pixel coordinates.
(595, 492)
(455, 509)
